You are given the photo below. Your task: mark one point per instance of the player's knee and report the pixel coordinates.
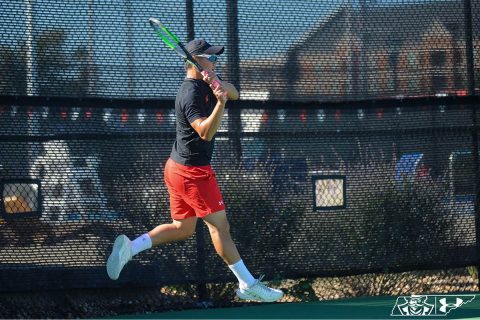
(221, 228)
(186, 232)
(189, 232)
(226, 228)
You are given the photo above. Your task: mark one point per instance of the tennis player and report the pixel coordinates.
(191, 182)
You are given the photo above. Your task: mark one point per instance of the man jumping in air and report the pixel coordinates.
(191, 182)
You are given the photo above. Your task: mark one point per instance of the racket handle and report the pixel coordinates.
(215, 84)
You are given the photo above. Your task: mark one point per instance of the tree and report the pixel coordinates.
(59, 73)
(12, 71)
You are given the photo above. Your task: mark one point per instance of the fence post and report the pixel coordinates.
(199, 232)
(471, 91)
(200, 277)
(476, 167)
(290, 74)
(190, 20)
(233, 70)
(469, 48)
(130, 53)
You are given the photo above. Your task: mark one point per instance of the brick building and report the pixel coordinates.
(371, 52)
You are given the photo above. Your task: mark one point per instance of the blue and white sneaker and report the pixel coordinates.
(259, 292)
(121, 254)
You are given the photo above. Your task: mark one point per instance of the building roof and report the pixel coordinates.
(385, 26)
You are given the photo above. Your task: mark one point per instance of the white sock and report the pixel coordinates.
(245, 278)
(141, 243)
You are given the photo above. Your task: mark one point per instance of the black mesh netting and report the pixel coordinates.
(316, 182)
(315, 192)
(281, 50)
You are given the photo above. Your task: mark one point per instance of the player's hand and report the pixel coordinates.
(211, 78)
(220, 93)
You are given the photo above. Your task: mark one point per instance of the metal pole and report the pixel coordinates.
(199, 230)
(90, 48)
(469, 47)
(476, 167)
(363, 85)
(233, 55)
(30, 49)
(190, 20)
(349, 50)
(32, 122)
(471, 91)
(201, 270)
(130, 54)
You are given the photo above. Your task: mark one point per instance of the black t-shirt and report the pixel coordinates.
(194, 100)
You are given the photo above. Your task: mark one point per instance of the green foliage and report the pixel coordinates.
(13, 75)
(303, 290)
(272, 215)
(63, 71)
(405, 223)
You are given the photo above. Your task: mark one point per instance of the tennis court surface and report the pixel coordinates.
(357, 308)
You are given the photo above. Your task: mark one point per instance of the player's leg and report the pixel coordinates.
(182, 227)
(124, 250)
(249, 287)
(178, 230)
(219, 229)
(204, 196)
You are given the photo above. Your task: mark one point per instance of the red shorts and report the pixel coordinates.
(193, 191)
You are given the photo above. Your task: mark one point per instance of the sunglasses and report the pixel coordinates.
(211, 58)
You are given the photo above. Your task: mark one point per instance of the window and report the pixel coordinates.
(21, 198)
(329, 192)
(411, 60)
(439, 83)
(438, 58)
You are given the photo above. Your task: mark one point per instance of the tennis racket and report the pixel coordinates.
(172, 41)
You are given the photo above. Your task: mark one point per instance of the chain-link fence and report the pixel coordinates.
(353, 149)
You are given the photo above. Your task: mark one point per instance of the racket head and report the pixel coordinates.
(173, 42)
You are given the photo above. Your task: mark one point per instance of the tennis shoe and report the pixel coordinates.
(121, 254)
(259, 292)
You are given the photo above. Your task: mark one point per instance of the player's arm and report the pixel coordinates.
(231, 90)
(207, 127)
